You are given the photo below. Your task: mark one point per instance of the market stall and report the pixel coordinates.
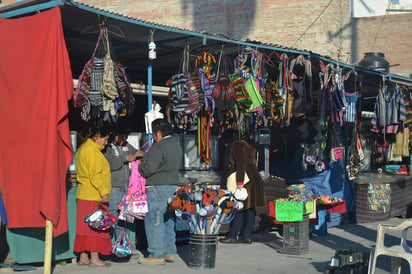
(300, 110)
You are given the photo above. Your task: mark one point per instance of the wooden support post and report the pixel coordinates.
(48, 245)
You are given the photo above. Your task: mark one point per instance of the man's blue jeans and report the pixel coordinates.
(160, 222)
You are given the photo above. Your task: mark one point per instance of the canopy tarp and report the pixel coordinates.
(35, 86)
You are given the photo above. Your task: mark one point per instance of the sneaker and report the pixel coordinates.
(150, 260)
(227, 240)
(137, 254)
(244, 241)
(170, 258)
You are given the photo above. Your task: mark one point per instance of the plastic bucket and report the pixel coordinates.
(202, 251)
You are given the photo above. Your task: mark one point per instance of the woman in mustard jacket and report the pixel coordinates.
(94, 186)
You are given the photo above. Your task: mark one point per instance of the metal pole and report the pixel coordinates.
(266, 160)
(149, 90)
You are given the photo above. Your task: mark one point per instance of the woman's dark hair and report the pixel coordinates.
(95, 130)
(162, 125)
(92, 131)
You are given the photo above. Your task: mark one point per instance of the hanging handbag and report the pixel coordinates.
(125, 90)
(81, 95)
(123, 246)
(253, 91)
(139, 204)
(223, 91)
(101, 219)
(108, 86)
(336, 151)
(194, 89)
(134, 204)
(356, 154)
(137, 190)
(241, 95)
(178, 94)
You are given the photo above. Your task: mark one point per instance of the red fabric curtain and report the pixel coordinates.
(35, 150)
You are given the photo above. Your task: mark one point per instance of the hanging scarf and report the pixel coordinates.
(285, 86)
(207, 84)
(203, 137)
(206, 61)
(274, 102)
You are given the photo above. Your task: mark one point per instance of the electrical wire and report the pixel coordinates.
(314, 21)
(377, 31)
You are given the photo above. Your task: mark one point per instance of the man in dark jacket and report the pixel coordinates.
(160, 167)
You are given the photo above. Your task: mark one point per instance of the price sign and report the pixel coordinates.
(289, 211)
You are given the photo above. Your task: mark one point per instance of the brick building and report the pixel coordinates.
(329, 28)
(322, 26)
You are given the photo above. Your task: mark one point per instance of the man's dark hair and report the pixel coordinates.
(162, 125)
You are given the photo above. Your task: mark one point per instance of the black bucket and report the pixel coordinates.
(202, 251)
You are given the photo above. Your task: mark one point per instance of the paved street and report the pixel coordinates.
(261, 256)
